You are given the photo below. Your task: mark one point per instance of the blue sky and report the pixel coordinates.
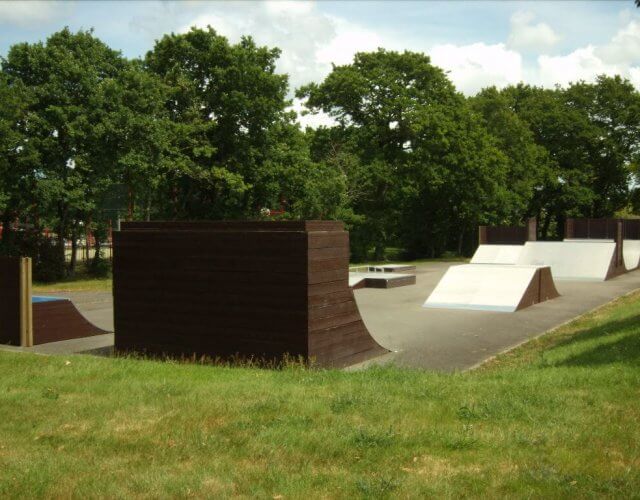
(479, 43)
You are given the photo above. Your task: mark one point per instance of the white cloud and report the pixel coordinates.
(349, 38)
(27, 14)
(526, 36)
(634, 76)
(624, 46)
(312, 40)
(620, 56)
(581, 64)
(472, 67)
(309, 120)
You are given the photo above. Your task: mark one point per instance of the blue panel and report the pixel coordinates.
(36, 299)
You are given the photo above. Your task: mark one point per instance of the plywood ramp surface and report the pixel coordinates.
(492, 287)
(573, 259)
(497, 254)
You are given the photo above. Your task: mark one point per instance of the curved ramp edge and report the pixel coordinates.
(631, 254)
(56, 320)
(346, 341)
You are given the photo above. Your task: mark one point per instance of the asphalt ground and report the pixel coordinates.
(450, 340)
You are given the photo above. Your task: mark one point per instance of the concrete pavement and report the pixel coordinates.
(449, 340)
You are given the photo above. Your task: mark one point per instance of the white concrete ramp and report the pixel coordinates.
(571, 259)
(492, 287)
(631, 254)
(497, 254)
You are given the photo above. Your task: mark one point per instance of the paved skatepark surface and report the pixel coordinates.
(435, 339)
(449, 340)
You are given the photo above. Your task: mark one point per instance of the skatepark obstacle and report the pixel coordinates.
(380, 280)
(26, 320)
(492, 287)
(238, 288)
(607, 229)
(503, 244)
(575, 259)
(497, 254)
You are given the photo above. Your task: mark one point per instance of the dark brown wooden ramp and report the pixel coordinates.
(252, 289)
(59, 319)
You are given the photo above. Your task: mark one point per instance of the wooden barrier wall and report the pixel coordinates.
(508, 235)
(602, 228)
(261, 289)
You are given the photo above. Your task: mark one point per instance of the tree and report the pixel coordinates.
(64, 76)
(224, 99)
(374, 100)
(612, 107)
(529, 166)
(591, 134)
(17, 158)
(415, 140)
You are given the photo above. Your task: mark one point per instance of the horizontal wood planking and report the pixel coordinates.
(10, 300)
(239, 226)
(602, 228)
(232, 288)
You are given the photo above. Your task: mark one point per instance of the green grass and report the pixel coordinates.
(558, 417)
(80, 282)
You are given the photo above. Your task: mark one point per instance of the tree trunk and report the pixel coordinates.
(96, 255)
(74, 251)
(7, 232)
(545, 226)
(460, 241)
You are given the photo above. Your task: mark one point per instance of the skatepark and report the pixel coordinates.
(527, 301)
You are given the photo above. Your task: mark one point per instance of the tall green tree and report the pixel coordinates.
(529, 166)
(415, 138)
(226, 98)
(64, 77)
(17, 158)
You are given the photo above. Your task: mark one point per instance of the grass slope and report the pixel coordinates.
(558, 417)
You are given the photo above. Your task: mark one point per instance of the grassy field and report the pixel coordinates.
(558, 417)
(80, 282)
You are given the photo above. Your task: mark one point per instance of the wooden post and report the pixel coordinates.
(619, 243)
(532, 229)
(26, 308)
(482, 235)
(569, 228)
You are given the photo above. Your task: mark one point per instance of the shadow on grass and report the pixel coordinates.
(622, 350)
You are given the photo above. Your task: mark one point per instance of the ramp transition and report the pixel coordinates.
(574, 259)
(28, 320)
(497, 254)
(492, 287)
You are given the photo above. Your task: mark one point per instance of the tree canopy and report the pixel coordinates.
(202, 128)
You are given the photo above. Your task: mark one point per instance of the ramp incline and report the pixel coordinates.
(492, 287)
(497, 254)
(573, 260)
